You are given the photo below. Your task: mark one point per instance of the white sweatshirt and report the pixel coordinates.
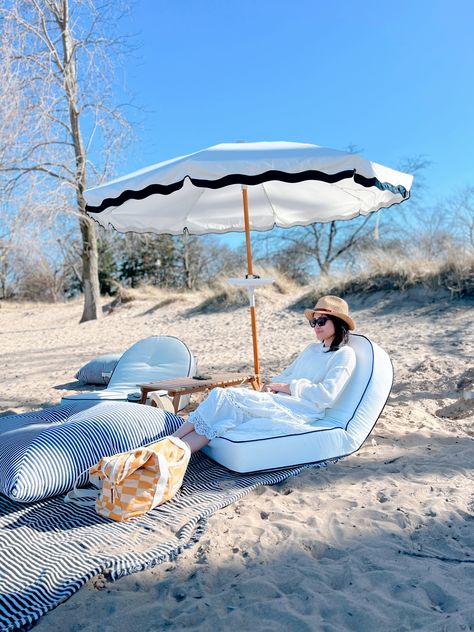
(317, 377)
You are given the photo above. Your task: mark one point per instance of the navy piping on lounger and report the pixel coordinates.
(341, 456)
(299, 434)
(333, 459)
(335, 427)
(238, 178)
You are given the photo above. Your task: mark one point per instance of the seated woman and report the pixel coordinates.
(300, 394)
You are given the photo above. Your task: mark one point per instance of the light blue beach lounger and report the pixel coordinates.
(149, 360)
(260, 444)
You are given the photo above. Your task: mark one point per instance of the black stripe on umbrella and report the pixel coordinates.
(249, 180)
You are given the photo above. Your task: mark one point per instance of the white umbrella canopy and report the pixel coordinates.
(243, 187)
(289, 184)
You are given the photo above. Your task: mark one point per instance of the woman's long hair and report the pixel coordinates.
(341, 336)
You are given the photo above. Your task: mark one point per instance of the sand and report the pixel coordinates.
(380, 541)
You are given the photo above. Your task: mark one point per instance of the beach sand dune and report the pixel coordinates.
(383, 540)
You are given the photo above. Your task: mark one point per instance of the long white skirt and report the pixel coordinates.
(226, 408)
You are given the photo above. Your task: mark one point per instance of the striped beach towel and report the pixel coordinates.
(51, 548)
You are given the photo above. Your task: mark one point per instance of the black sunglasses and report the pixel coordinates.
(320, 322)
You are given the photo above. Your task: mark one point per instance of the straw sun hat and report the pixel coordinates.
(333, 306)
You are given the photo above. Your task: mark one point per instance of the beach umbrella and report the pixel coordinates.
(243, 187)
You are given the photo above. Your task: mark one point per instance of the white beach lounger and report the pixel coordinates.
(261, 444)
(149, 360)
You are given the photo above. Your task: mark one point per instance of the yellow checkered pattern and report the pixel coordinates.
(133, 483)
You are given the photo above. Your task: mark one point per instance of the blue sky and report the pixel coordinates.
(395, 79)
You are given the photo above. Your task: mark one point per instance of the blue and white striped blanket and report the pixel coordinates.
(49, 549)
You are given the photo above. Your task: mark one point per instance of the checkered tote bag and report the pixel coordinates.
(136, 481)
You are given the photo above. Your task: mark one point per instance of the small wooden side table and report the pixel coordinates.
(186, 385)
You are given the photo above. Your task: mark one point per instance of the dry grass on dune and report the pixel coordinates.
(381, 271)
(453, 270)
(378, 271)
(222, 296)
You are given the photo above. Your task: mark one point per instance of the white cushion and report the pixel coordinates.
(149, 360)
(262, 445)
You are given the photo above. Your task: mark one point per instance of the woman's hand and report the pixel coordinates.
(277, 387)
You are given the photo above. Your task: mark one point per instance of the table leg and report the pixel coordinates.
(255, 382)
(144, 396)
(176, 399)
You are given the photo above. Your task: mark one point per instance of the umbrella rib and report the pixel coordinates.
(270, 203)
(336, 186)
(190, 210)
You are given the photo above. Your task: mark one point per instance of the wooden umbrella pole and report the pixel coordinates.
(253, 313)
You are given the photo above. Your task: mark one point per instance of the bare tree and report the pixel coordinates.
(321, 244)
(461, 211)
(59, 53)
(37, 277)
